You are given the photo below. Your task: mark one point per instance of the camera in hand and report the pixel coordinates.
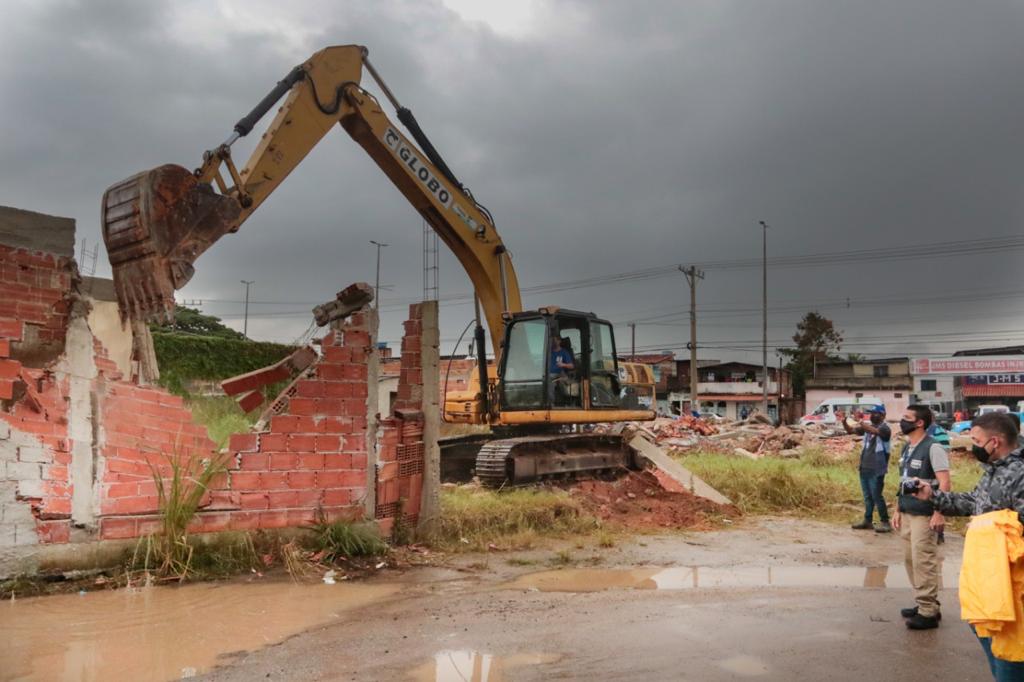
(909, 486)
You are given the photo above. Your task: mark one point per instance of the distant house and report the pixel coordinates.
(730, 388)
(885, 378)
(1007, 388)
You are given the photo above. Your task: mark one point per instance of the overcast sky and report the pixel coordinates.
(606, 138)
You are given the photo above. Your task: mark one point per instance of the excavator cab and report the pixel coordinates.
(530, 378)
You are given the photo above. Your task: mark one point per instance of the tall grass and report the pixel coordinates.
(179, 496)
(472, 520)
(818, 484)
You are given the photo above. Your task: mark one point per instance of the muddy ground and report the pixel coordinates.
(772, 599)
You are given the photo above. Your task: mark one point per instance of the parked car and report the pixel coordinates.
(939, 414)
(825, 413)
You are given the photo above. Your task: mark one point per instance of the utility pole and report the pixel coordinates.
(376, 288)
(245, 323)
(632, 327)
(764, 312)
(692, 275)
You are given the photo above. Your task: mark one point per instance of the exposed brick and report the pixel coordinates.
(50, 532)
(273, 519)
(273, 442)
(5, 348)
(311, 461)
(6, 389)
(302, 406)
(243, 442)
(245, 480)
(118, 528)
(301, 479)
(283, 499)
(337, 496)
(283, 461)
(301, 443)
(253, 500)
(273, 480)
(292, 424)
(9, 369)
(325, 443)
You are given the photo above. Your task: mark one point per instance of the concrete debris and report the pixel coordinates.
(346, 302)
(752, 438)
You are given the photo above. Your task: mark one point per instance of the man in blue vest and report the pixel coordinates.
(874, 462)
(918, 521)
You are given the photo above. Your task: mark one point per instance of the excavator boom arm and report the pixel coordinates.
(157, 223)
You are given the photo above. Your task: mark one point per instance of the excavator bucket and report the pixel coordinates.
(155, 225)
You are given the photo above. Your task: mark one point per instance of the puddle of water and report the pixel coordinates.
(162, 633)
(474, 666)
(744, 666)
(694, 577)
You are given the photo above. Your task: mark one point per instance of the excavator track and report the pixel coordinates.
(514, 461)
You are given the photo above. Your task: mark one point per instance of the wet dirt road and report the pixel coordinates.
(776, 600)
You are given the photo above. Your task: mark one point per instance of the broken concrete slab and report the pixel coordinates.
(665, 466)
(347, 301)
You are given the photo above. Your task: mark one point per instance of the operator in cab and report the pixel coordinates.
(560, 363)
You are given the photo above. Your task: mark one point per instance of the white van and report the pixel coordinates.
(825, 413)
(986, 409)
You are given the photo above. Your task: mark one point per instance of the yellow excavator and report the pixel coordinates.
(157, 223)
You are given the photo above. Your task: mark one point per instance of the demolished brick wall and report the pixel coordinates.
(79, 442)
(400, 447)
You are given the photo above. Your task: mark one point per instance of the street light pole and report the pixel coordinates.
(764, 314)
(245, 322)
(376, 288)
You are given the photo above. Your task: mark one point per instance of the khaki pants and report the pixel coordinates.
(921, 557)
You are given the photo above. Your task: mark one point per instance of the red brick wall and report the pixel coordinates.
(34, 304)
(312, 456)
(400, 437)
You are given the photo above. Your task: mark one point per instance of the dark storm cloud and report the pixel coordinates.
(615, 137)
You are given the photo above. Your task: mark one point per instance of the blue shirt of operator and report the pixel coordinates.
(559, 356)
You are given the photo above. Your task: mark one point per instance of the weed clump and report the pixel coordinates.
(474, 519)
(337, 539)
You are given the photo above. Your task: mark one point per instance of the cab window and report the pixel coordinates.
(525, 361)
(604, 380)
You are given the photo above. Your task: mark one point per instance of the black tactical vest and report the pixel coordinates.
(918, 465)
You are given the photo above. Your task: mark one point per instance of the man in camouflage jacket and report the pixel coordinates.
(994, 444)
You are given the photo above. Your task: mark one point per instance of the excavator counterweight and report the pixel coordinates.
(155, 225)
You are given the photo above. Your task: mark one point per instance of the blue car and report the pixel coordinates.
(960, 427)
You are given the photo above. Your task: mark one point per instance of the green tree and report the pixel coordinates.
(816, 340)
(191, 321)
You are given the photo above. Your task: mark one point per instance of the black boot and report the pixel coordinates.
(863, 525)
(919, 622)
(910, 613)
(883, 527)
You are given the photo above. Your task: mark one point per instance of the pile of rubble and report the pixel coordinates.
(754, 437)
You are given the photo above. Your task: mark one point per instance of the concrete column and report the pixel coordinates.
(372, 414)
(430, 504)
(79, 366)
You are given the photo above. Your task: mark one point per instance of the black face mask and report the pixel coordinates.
(980, 453)
(907, 426)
